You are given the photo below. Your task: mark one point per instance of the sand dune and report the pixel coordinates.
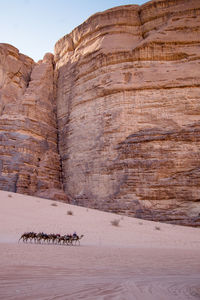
(136, 260)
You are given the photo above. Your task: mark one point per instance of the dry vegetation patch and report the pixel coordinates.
(115, 222)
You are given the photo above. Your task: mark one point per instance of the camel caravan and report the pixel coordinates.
(57, 239)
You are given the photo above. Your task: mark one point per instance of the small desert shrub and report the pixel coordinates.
(54, 204)
(70, 213)
(157, 228)
(9, 195)
(115, 222)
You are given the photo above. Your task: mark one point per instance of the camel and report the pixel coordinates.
(41, 236)
(28, 236)
(53, 237)
(76, 239)
(67, 239)
(23, 237)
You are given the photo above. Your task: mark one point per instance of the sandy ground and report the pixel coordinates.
(136, 260)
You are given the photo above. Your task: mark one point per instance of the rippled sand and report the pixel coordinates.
(89, 272)
(132, 261)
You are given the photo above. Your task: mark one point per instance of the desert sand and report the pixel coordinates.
(136, 260)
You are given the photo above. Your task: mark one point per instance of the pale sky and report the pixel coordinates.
(34, 26)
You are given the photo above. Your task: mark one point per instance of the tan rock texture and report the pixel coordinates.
(29, 160)
(113, 116)
(128, 111)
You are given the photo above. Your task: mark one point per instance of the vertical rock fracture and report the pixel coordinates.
(116, 110)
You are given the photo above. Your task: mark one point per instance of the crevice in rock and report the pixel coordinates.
(120, 118)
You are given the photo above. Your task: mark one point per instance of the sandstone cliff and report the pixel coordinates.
(113, 117)
(29, 162)
(128, 86)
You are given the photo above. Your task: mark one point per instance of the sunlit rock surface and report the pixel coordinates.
(113, 117)
(29, 162)
(128, 86)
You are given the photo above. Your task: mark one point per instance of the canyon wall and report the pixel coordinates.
(128, 110)
(113, 118)
(29, 160)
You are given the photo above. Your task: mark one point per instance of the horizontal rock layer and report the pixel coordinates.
(128, 86)
(113, 117)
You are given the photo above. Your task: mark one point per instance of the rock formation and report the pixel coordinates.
(29, 163)
(125, 98)
(128, 86)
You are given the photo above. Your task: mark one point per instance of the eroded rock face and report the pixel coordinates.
(124, 91)
(29, 160)
(128, 86)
